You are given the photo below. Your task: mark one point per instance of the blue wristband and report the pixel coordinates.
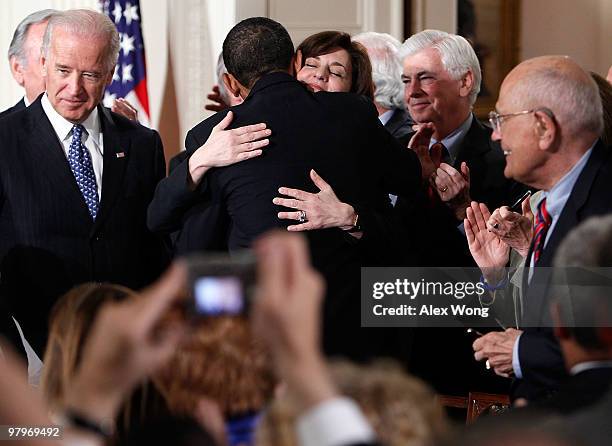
(488, 287)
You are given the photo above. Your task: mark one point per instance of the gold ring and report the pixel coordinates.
(444, 189)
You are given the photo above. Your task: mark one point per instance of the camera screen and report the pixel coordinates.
(218, 295)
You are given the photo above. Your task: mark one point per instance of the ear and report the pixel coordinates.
(467, 82)
(545, 129)
(560, 331)
(43, 65)
(605, 335)
(17, 70)
(232, 84)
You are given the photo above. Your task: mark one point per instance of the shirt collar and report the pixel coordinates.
(63, 127)
(588, 365)
(25, 101)
(557, 196)
(454, 139)
(384, 118)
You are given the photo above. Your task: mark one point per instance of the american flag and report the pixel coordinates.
(130, 77)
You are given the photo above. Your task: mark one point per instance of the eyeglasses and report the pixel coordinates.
(495, 119)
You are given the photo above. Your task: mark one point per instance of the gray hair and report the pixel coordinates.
(86, 23)
(386, 68)
(456, 53)
(221, 70)
(581, 280)
(21, 33)
(587, 245)
(574, 101)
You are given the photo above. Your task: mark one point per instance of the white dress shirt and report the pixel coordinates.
(334, 422)
(92, 137)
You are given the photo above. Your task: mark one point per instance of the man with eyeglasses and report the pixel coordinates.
(548, 119)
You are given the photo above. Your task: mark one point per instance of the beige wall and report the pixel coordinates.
(580, 29)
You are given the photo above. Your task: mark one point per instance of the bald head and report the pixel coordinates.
(560, 85)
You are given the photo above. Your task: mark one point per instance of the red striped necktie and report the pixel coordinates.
(542, 223)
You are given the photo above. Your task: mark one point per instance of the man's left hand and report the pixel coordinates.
(453, 187)
(497, 348)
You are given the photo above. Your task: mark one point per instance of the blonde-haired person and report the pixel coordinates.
(70, 324)
(401, 409)
(70, 321)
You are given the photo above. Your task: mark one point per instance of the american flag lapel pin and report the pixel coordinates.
(120, 154)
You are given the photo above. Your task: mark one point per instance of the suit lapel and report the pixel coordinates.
(395, 121)
(570, 215)
(116, 155)
(474, 145)
(48, 151)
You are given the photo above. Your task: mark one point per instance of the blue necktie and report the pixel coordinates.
(82, 169)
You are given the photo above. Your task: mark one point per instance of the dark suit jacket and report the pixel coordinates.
(18, 106)
(209, 222)
(432, 233)
(400, 124)
(539, 351)
(48, 242)
(339, 136)
(578, 391)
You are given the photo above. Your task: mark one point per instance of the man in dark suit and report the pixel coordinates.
(460, 155)
(442, 79)
(332, 133)
(582, 315)
(24, 57)
(75, 180)
(550, 139)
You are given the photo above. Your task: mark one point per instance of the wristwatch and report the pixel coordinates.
(356, 226)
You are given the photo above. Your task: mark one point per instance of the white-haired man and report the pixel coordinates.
(24, 57)
(388, 89)
(442, 80)
(548, 118)
(75, 179)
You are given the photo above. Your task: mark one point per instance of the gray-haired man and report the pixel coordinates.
(24, 57)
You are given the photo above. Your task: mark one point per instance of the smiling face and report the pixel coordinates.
(76, 74)
(518, 136)
(327, 72)
(430, 93)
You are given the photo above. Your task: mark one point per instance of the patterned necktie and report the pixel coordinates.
(542, 223)
(82, 169)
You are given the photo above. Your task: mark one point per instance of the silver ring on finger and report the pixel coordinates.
(302, 217)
